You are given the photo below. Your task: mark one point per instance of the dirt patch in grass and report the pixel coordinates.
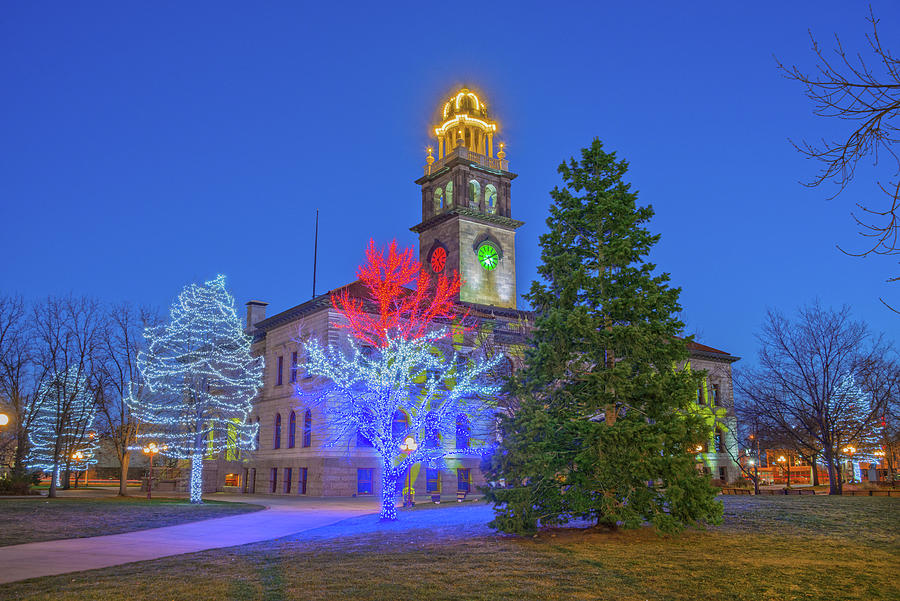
(33, 520)
(751, 557)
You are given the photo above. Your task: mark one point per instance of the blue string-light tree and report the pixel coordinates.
(398, 376)
(64, 418)
(201, 379)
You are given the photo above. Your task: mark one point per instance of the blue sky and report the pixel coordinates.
(145, 146)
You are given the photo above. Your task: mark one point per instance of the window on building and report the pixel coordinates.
(399, 425)
(462, 362)
(700, 396)
(717, 400)
(462, 431)
(438, 200)
(364, 481)
(276, 439)
(256, 442)
(490, 199)
(432, 481)
(307, 428)
(292, 429)
(718, 441)
(723, 474)
(231, 448)
(462, 479)
(362, 441)
(301, 481)
(232, 480)
(288, 478)
(273, 480)
(279, 370)
(474, 194)
(293, 367)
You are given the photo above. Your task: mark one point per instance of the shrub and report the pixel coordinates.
(19, 484)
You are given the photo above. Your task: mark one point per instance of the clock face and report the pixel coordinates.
(438, 259)
(488, 256)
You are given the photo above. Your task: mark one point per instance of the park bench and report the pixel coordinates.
(436, 499)
(737, 491)
(799, 491)
(461, 495)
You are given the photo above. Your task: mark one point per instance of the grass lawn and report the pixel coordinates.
(769, 548)
(32, 520)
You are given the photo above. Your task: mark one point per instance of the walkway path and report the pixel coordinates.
(283, 516)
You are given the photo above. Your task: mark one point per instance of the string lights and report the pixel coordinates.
(61, 432)
(398, 376)
(201, 379)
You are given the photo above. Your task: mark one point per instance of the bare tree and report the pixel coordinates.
(18, 380)
(810, 383)
(864, 90)
(121, 379)
(67, 333)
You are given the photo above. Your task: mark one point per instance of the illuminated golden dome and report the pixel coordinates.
(465, 123)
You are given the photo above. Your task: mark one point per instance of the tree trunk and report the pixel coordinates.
(196, 486)
(834, 475)
(21, 451)
(124, 460)
(388, 492)
(51, 494)
(815, 469)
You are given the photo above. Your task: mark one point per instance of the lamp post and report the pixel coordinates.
(150, 450)
(77, 457)
(409, 446)
(755, 466)
(849, 450)
(782, 460)
(4, 419)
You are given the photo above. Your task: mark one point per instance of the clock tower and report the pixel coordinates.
(467, 223)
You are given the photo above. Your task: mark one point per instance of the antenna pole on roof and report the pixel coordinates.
(315, 252)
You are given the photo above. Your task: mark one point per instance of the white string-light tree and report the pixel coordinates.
(62, 428)
(201, 379)
(398, 376)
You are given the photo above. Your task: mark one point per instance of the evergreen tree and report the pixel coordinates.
(605, 422)
(201, 379)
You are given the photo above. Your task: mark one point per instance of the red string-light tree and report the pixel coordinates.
(397, 376)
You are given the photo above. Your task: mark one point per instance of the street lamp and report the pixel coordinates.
(150, 450)
(78, 457)
(755, 465)
(409, 446)
(4, 419)
(849, 450)
(782, 460)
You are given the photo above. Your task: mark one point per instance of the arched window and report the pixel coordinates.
(438, 200)
(490, 199)
(307, 428)
(474, 194)
(276, 443)
(292, 430)
(256, 441)
(448, 194)
(462, 431)
(399, 425)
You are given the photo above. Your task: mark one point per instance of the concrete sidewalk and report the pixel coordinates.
(282, 517)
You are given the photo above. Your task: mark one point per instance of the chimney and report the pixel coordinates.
(256, 312)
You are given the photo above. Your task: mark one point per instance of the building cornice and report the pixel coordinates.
(506, 223)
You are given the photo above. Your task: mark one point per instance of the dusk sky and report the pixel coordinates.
(146, 147)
